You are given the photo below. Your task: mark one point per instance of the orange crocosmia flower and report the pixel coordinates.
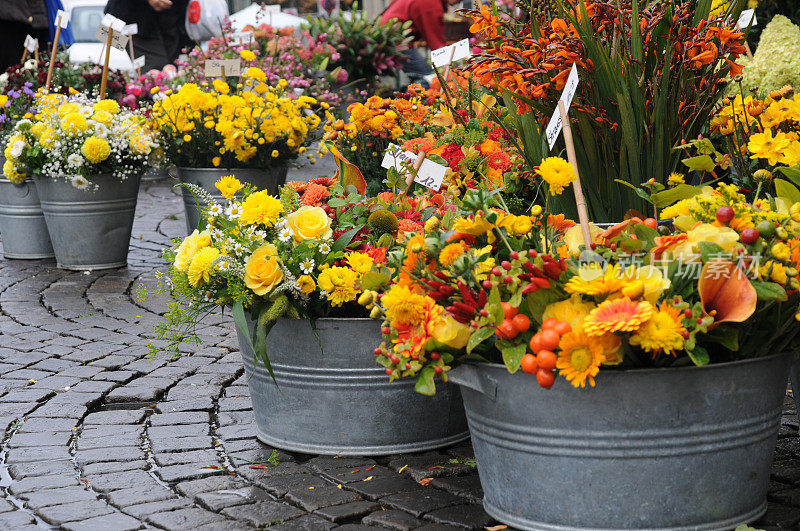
(665, 243)
(735, 68)
(559, 223)
(298, 186)
(418, 144)
(706, 57)
(617, 229)
(485, 21)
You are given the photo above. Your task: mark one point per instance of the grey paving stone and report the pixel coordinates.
(114, 466)
(45, 453)
(218, 500)
(185, 472)
(37, 483)
(41, 468)
(45, 498)
(419, 503)
(38, 425)
(65, 411)
(378, 488)
(182, 430)
(308, 522)
(134, 394)
(15, 519)
(58, 438)
(197, 404)
(140, 493)
(466, 516)
(120, 480)
(393, 519)
(71, 512)
(263, 513)
(196, 457)
(100, 455)
(279, 486)
(184, 518)
(347, 511)
(115, 521)
(192, 488)
(110, 441)
(120, 416)
(144, 509)
(174, 419)
(315, 498)
(180, 444)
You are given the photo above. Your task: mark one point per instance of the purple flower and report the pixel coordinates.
(27, 91)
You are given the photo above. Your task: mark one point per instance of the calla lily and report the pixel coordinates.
(443, 119)
(726, 294)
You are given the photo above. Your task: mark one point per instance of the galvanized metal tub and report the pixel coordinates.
(677, 449)
(263, 178)
(22, 226)
(332, 398)
(90, 229)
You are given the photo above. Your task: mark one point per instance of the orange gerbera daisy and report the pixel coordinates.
(298, 186)
(559, 223)
(499, 161)
(618, 315)
(314, 194)
(579, 358)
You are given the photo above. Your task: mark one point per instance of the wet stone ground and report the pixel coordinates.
(99, 437)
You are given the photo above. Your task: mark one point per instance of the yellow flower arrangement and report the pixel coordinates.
(96, 149)
(339, 283)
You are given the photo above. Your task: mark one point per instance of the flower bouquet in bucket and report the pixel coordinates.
(630, 357)
(253, 127)
(86, 156)
(312, 253)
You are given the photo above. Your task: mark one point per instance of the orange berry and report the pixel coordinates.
(506, 330)
(549, 339)
(549, 323)
(546, 359)
(529, 364)
(545, 378)
(536, 343)
(521, 322)
(508, 310)
(651, 222)
(562, 328)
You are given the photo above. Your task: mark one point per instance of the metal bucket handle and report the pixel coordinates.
(469, 376)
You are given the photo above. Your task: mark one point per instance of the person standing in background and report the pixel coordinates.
(162, 32)
(427, 19)
(19, 18)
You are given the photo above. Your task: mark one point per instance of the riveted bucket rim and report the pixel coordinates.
(224, 170)
(648, 371)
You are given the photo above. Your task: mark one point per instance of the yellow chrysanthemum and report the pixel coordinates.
(451, 252)
(221, 87)
(557, 173)
(618, 315)
(571, 311)
(339, 283)
(360, 262)
(261, 207)
(199, 271)
(228, 185)
(109, 106)
(306, 283)
(579, 358)
(404, 308)
(247, 55)
(104, 117)
(68, 108)
(189, 247)
(73, 123)
(96, 149)
(592, 280)
(12, 173)
(663, 332)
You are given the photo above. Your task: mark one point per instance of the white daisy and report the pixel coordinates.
(280, 225)
(215, 210)
(208, 296)
(234, 211)
(74, 160)
(324, 248)
(307, 266)
(223, 266)
(16, 148)
(260, 234)
(285, 235)
(80, 182)
(238, 249)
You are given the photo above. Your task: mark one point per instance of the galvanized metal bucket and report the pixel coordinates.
(332, 398)
(90, 229)
(264, 179)
(22, 226)
(677, 449)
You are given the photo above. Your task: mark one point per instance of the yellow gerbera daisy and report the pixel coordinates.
(594, 281)
(579, 358)
(662, 333)
(618, 315)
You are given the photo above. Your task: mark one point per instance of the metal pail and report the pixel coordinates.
(22, 226)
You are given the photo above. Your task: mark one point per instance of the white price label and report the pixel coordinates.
(232, 67)
(447, 54)
(745, 18)
(138, 62)
(110, 21)
(118, 40)
(554, 125)
(31, 44)
(243, 37)
(62, 18)
(271, 8)
(130, 29)
(430, 174)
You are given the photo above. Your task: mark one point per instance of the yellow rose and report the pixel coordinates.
(572, 310)
(725, 237)
(573, 237)
(189, 246)
(647, 282)
(309, 222)
(450, 332)
(261, 272)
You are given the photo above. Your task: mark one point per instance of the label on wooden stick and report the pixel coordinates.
(118, 40)
(460, 50)
(214, 67)
(430, 174)
(555, 125)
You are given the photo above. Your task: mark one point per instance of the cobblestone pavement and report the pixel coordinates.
(99, 437)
